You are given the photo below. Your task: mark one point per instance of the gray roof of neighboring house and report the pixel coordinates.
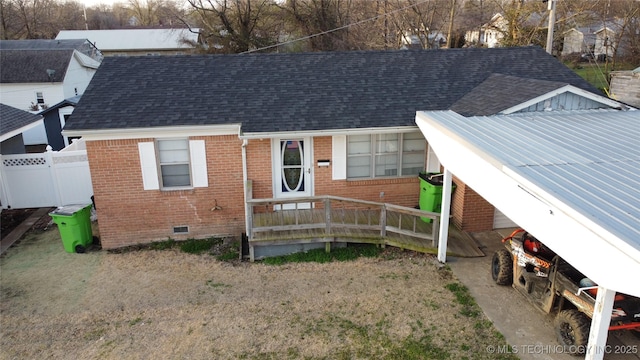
(300, 91)
(82, 45)
(41, 44)
(500, 92)
(30, 66)
(27, 61)
(13, 119)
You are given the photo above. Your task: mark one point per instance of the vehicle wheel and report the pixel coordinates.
(572, 331)
(80, 249)
(502, 268)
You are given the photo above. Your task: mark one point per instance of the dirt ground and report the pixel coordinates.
(149, 304)
(10, 218)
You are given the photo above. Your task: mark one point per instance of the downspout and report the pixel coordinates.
(245, 177)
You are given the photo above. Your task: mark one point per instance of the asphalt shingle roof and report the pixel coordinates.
(500, 92)
(12, 119)
(30, 66)
(298, 92)
(42, 44)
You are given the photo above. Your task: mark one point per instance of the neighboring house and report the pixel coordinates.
(423, 40)
(596, 40)
(135, 42)
(625, 86)
(13, 122)
(38, 73)
(490, 34)
(54, 119)
(171, 139)
(606, 41)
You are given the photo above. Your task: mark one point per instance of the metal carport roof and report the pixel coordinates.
(572, 179)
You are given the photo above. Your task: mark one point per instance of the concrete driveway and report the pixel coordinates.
(528, 329)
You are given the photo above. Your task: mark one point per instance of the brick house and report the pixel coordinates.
(172, 141)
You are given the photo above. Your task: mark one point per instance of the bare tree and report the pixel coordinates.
(235, 26)
(320, 20)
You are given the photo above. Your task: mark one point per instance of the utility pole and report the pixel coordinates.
(551, 6)
(451, 18)
(86, 24)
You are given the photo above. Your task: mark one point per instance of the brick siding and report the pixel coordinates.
(399, 191)
(128, 214)
(471, 212)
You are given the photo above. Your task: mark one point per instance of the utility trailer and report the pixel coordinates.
(554, 286)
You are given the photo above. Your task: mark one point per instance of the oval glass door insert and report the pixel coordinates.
(292, 165)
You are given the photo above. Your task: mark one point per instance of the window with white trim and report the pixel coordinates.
(173, 164)
(173, 160)
(39, 98)
(385, 155)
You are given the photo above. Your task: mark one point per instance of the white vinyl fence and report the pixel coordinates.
(52, 178)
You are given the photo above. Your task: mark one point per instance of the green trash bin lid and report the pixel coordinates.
(68, 210)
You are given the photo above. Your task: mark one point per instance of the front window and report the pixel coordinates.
(173, 156)
(39, 98)
(385, 155)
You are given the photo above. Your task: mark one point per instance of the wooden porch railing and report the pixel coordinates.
(330, 219)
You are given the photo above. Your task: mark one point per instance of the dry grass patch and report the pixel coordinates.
(171, 304)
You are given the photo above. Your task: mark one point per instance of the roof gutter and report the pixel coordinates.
(315, 133)
(154, 132)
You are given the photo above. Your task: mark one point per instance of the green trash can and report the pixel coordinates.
(431, 193)
(74, 223)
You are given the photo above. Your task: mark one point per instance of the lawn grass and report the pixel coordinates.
(597, 74)
(351, 252)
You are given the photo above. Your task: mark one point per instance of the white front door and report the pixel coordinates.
(292, 168)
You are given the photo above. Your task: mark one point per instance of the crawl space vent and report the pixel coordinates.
(180, 229)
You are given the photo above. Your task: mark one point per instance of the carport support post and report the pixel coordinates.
(444, 216)
(596, 347)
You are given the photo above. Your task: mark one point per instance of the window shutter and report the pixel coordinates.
(339, 157)
(148, 166)
(198, 163)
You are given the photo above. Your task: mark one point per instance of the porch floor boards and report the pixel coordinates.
(356, 226)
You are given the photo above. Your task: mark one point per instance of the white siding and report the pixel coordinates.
(501, 221)
(77, 77)
(564, 101)
(21, 96)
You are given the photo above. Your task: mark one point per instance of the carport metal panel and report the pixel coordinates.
(572, 179)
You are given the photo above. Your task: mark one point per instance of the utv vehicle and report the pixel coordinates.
(553, 285)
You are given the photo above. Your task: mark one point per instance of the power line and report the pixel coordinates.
(338, 28)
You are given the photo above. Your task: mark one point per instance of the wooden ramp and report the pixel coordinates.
(382, 224)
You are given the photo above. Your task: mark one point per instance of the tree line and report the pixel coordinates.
(237, 26)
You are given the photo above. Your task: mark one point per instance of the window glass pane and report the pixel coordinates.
(413, 142)
(359, 167)
(292, 153)
(387, 165)
(412, 163)
(171, 151)
(387, 143)
(359, 144)
(174, 162)
(175, 175)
